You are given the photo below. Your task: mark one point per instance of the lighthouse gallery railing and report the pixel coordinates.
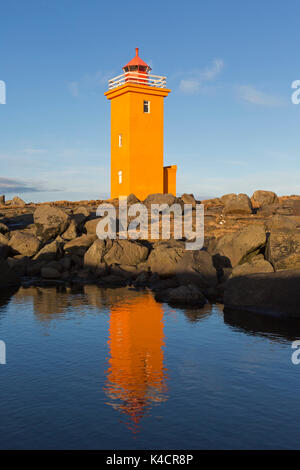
(137, 78)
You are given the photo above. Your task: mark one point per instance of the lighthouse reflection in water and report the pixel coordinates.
(136, 377)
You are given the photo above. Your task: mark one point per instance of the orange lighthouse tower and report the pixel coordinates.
(137, 134)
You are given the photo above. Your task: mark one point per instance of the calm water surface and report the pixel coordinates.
(113, 369)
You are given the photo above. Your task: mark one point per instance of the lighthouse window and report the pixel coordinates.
(120, 140)
(120, 177)
(147, 107)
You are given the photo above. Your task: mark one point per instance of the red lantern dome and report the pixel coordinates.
(136, 69)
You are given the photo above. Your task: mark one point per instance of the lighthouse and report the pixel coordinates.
(137, 132)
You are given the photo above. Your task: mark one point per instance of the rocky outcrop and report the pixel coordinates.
(2, 199)
(17, 201)
(269, 293)
(61, 246)
(50, 221)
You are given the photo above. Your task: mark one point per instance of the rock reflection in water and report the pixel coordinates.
(276, 329)
(136, 377)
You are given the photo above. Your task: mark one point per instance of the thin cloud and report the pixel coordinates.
(73, 88)
(33, 151)
(252, 95)
(194, 82)
(8, 185)
(89, 83)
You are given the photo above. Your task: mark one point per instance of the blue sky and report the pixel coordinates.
(230, 125)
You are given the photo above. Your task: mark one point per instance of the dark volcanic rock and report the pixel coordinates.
(188, 199)
(164, 257)
(79, 245)
(283, 249)
(270, 293)
(236, 247)
(160, 199)
(3, 228)
(237, 204)
(182, 295)
(24, 243)
(264, 198)
(257, 264)
(126, 252)
(8, 277)
(196, 267)
(50, 221)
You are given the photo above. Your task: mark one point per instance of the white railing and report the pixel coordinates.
(137, 78)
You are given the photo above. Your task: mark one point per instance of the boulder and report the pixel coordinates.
(283, 222)
(126, 252)
(164, 257)
(71, 231)
(182, 295)
(268, 293)
(79, 245)
(188, 199)
(132, 199)
(238, 247)
(237, 204)
(94, 255)
(4, 240)
(257, 264)
(3, 228)
(50, 251)
(48, 272)
(4, 246)
(264, 198)
(19, 264)
(112, 280)
(8, 277)
(283, 249)
(17, 201)
(159, 198)
(2, 200)
(91, 226)
(50, 221)
(196, 267)
(24, 243)
(80, 214)
(227, 197)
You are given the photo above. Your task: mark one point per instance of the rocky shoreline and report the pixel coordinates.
(250, 260)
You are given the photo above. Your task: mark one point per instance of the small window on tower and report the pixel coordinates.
(147, 107)
(120, 177)
(120, 140)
